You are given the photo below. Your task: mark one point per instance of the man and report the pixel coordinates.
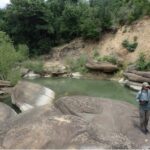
(143, 97)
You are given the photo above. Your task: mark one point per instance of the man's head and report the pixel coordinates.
(145, 85)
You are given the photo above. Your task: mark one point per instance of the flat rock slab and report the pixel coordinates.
(104, 67)
(136, 78)
(27, 95)
(145, 74)
(4, 83)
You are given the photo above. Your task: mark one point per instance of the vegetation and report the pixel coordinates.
(142, 63)
(9, 57)
(78, 65)
(109, 58)
(130, 46)
(36, 66)
(42, 24)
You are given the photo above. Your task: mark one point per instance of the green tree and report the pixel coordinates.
(70, 21)
(8, 59)
(29, 21)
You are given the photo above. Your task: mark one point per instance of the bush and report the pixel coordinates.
(23, 51)
(95, 54)
(36, 66)
(142, 63)
(90, 29)
(111, 58)
(9, 58)
(78, 65)
(13, 76)
(129, 46)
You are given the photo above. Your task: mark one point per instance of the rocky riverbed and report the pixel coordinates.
(74, 122)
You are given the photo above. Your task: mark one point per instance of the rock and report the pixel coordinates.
(4, 83)
(43, 128)
(72, 105)
(122, 81)
(2, 92)
(141, 73)
(47, 76)
(113, 122)
(76, 75)
(27, 95)
(31, 75)
(104, 67)
(77, 122)
(5, 90)
(55, 68)
(131, 67)
(24, 71)
(136, 78)
(133, 85)
(6, 113)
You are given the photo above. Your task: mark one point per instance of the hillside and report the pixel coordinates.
(111, 43)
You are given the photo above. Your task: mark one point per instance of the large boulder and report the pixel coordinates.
(6, 112)
(113, 122)
(27, 95)
(43, 128)
(103, 66)
(75, 123)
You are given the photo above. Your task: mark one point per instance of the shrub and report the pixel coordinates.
(78, 65)
(90, 29)
(95, 54)
(129, 46)
(13, 76)
(9, 58)
(23, 51)
(111, 58)
(142, 63)
(36, 66)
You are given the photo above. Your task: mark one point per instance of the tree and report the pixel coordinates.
(8, 58)
(70, 21)
(29, 21)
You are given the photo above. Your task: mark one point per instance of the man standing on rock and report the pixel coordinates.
(143, 97)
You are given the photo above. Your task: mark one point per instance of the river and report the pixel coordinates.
(84, 87)
(88, 87)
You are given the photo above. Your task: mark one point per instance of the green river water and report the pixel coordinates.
(84, 87)
(88, 87)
